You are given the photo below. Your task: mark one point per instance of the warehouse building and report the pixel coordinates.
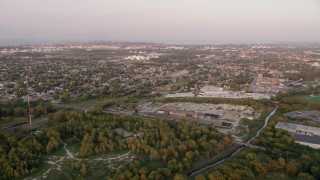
(305, 135)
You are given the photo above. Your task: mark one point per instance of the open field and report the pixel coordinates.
(311, 99)
(22, 128)
(13, 120)
(92, 103)
(83, 105)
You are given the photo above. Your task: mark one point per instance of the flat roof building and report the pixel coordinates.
(298, 128)
(305, 135)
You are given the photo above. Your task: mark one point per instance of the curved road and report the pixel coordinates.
(236, 152)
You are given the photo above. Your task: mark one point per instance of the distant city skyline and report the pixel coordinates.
(166, 21)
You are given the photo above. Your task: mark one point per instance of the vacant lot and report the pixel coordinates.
(311, 99)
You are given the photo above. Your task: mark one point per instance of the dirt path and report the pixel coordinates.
(56, 162)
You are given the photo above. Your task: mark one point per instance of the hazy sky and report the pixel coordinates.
(179, 21)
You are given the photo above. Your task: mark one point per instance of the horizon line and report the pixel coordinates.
(21, 42)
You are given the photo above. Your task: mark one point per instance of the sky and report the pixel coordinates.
(167, 21)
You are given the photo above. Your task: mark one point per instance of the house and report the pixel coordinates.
(123, 133)
(160, 111)
(211, 115)
(183, 113)
(139, 134)
(176, 95)
(226, 124)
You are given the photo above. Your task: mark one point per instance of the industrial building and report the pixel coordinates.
(218, 92)
(306, 135)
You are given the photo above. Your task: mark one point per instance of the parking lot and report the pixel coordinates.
(308, 115)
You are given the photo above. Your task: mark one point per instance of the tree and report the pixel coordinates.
(65, 96)
(285, 107)
(305, 176)
(41, 109)
(315, 170)
(235, 87)
(83, 169)
(216, 176)
(246, 89)
(54, 140)
(282, 163)
(179, 177)
(260, 169)
(55, 96)
(18, 111)
(87, 146)
(292, 167)
(189, 155)
(143, 170)
(314, 106)
(200, 177)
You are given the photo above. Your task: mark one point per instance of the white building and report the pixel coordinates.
(188, 94)
(218, 92)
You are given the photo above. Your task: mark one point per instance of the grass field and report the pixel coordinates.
(311, 99)
(13, 120)
(85, 105)
(91, 103)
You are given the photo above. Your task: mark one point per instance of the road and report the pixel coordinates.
(247, 144)
(265, 125)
